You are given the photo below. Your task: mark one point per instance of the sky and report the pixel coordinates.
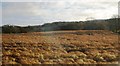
(37, 12)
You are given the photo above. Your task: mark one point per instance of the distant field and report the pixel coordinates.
(61, 47)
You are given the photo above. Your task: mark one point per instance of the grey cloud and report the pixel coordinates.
(22, 13)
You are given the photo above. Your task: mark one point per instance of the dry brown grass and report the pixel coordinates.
(61, 47)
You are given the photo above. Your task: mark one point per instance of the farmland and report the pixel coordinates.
(61, 47)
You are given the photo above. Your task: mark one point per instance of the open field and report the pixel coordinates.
(61, 47)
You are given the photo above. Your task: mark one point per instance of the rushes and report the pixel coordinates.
(66, 48)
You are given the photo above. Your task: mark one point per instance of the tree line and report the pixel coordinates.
(108, 24)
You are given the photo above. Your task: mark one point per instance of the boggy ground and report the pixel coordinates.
(61, 47)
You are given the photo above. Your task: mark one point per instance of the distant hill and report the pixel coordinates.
(108, 24)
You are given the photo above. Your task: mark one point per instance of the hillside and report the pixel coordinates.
(108, 24)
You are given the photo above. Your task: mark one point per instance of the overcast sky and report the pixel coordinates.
(35, 12)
